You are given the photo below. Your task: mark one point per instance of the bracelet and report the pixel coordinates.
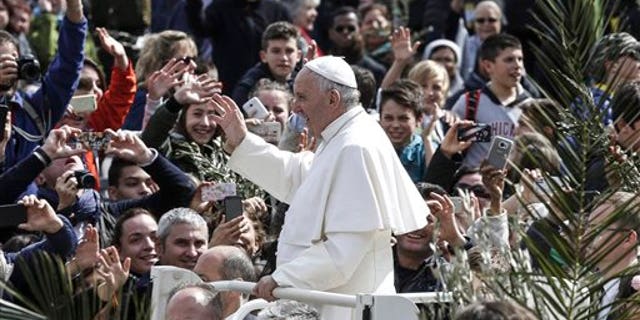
(42, 156)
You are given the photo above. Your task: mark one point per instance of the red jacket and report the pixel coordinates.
(112, 109)
(116, 101)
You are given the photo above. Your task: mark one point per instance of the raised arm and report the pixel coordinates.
(114, 105)
(403, 53)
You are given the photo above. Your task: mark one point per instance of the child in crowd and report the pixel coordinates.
(496, 103)
(278, 59)
(401, 108)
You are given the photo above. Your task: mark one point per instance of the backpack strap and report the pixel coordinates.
(33, 114)
(471, 107)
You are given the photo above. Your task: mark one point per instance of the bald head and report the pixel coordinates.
(224, 263)
(194, 303)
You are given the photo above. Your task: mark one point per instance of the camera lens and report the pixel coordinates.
(502, 145)
(85, 179)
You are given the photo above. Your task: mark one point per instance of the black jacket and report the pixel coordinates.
(235, 28)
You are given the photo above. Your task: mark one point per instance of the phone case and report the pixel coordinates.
(499, 152)
(232, 207)
(269, 131)
(478, 133)
(94, 140)
(255, 109)
(84, 103)
(12, 215)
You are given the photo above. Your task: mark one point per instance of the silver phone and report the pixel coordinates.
(499, 152)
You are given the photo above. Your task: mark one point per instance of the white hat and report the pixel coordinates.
(436, 44)
(335, 69)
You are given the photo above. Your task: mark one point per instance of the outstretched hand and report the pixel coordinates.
(401, 45)
(450, 144)
(230, 119)
(114, 48)
(40, 216)
(57, 144)
(128, 146)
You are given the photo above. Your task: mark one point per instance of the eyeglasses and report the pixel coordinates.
(483, 20)
(341, 29)
(478, 190)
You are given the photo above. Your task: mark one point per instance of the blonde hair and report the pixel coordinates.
(427, 70)
(159, 48)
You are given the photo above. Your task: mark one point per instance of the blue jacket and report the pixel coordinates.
(18, 178)
(62, 243)
(51, 99)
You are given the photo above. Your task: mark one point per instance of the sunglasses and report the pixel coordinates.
(478, 190)
(483, 20)
(341, 29)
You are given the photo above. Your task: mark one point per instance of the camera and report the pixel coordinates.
(85, 179)
(503, 145)
(28, 68)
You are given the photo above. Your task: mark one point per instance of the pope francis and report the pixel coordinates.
(345, 199)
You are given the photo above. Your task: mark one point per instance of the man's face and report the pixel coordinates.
(281, 56)
(398, 122)
(626, 69)
(4, 16)
(472, 182)
(8, 84)
(344, 30)
(277, 102)
(416, 244)
(199, 123)
(134, 183)
(20, 21)
(138, 243)
(628, 136)
(506, 70)
(447, 58)
(183, 246)
(58, 167)
(487, 21)
(306, 16)
(310, 102)
(611, 240)
(375, 27)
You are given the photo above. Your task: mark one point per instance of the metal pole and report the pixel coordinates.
(308, 296)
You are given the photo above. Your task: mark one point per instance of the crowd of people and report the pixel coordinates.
(363, 138)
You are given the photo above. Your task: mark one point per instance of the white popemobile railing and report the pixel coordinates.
(368, 306)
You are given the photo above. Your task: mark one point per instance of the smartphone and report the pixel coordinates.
(480, 132)
(218, 192)
(4, 109)
(269, 131)
(499, 152)
(458, 205)
(84, 103)
(94, 140)
(232, 207)
(255, 109)
(12, 215)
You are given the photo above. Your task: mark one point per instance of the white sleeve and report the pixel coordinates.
(149, 109)
(278, 172)
(326, 264)
(492, 230)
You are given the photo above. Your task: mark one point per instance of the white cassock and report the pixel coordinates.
(345, 201)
